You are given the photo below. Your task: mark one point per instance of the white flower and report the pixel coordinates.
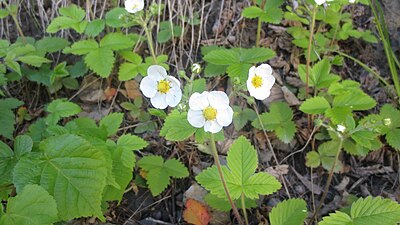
(352, 1)
(340, 128)
(320, 2)
(211, 110)
(260, 81)
(133, 6)
(196, 68)
(163, 90)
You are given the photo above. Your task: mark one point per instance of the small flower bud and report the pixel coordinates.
(387, 121)
(182, 73)
(236, 80)
(340, 128)
(196, 68)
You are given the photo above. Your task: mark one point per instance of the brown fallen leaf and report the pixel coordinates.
(196, 213)
(109, 93)
(132, 89)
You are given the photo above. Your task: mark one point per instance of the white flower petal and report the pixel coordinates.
(133, 6)
(260, 93)
(212, 126)
(263, 69)
(148, 86)
(252, 72)
(196, 118)
(268, 82)
(159, 101)
(225, 116)
(174, 81)
(320, 2)
(174, 96)
(157, 71)
(218, 99)
(199, 101)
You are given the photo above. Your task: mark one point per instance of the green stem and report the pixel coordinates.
(314, 12)
(221, 175)
(244, 210)
(328, 182)
(14, 17)
(150, 42)
(258, 32)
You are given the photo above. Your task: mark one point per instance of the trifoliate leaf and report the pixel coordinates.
(320, 76)
(367, 211)
(289, 212)
(71, 164)
(176, 127)
(159, 172)
(101, 61)
(240, 174)
(279, 119)
(315, 105)
(60, 109)
(33, 205)
(112, 122)
(7, 117)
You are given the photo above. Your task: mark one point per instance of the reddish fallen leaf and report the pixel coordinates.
(196, 213)
(109, 93)
(132, 89)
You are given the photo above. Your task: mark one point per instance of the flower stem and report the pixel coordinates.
(221, 175)
(328, 182)
(314, 12)
(14, 17)
(244, 210)
(149, 41)
(258, 32)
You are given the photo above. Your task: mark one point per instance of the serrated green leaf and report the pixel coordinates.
(327, 153)
(337, 218)
(256, 55)
(320, 76)
(116, 41)
(338, 115)
(210, 180)
(4, 13)
(22, 145)
(82, 47)
(239, 70)
(354, 100)
(7, 163)
(127, 71)
(159, 172)
(222, 204)
(315, 105)
(176, 127)
(222, 57)
(289, 212)
(312, 159)
(95, 27)
(26, 171)
(7, 117)
(51, 44)
(71, 164)
(60, 108)
(241, 117)
(131, 142)
(252, 12)
(112, 122)
(33, 205)
(33, 60)
(391, 113)
(73, 11)
(101, 61)
(113, 17)
(393, 139)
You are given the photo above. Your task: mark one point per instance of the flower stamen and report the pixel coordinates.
(210, 113)
(163, 86)
(257, 81)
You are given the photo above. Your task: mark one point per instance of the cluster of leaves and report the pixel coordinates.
(76, 161)
(267, 12)
(338, 26)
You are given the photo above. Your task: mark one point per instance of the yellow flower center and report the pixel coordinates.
(163, 86)
(210, 113)
(257, 81)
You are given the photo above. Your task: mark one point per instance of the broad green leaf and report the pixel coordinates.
(364, 138)
(4, 13)
(128, 71)
(315, 105)
(222, 57)
(159, 172)
(95, 27)
(131, 142)
(327, 154)
(113, 17)
(337, 218)
(393, 139)
(279, 119)
(112, 122)
(222, 204)
(26, 171)
(82, 47)
(7, 117)
(33, 60)
(289, 212)
(60, 23)
(60, 108)
(320, 76)
(176, 127)
(101, 61)
(354, 100)
(312, 159)
(391, 113)
(252, 12)
(51, 44)
(7, 163)
(33, 205)
(239, 70)
(73, 11)
(256, 55)
(71, 163)
(338, 114)
(22, 145)
(210, 180)
(116, 41)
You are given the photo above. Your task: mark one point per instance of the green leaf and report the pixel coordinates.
(22, 145)
(33, 205)
(131, 142)
(240, 175)
(60, 109)
(26, 171)
(289, 212)
(128, 71)
(367, 211)
(7, 117)
(159, 172)
(51, 44)
(312, 159)
(113, 17)
(33, 60)
(71, 163)
(116, 41)
(327, 153)
(72, 17)
(101, 61)
(82, 47)
(320, 76)
(354, 100)
(393, 139)
(315, 105)
(222, 204)
(7, 163)
(95, 27)
(4, 13)
(239, 70)
(222, 57)
(176, 127)
(391, 113)
(279, 119)
(241, 117)
(252, 12)
(256, 55)
(112, 122)
(73, 11)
